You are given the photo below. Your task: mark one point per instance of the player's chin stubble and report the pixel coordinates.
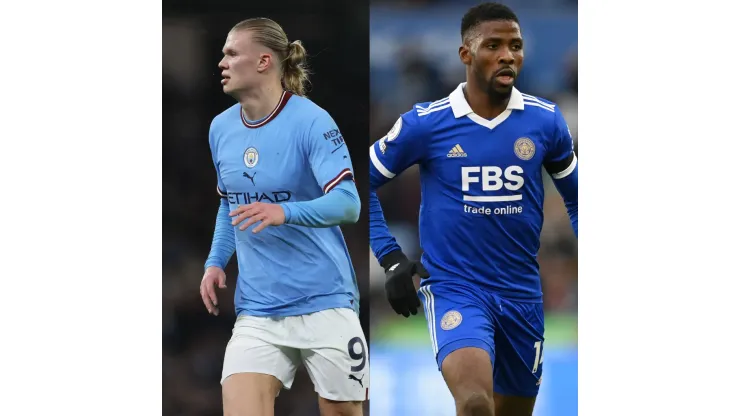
(497, 93)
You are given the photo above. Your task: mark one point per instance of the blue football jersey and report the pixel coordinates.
(482, 188)
(295, 154)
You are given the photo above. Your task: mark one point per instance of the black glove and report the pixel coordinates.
(399, 283)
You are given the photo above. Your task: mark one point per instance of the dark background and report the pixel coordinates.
(335, 34)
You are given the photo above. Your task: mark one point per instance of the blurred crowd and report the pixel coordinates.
(414, 59)
(334, 32)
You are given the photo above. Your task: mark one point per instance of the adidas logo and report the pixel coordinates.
(457, 151)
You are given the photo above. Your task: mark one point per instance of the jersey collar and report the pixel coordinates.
(281, 104)
(461, 108)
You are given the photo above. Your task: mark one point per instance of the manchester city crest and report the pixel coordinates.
(524, 148)
(450, 320)
(251, 157)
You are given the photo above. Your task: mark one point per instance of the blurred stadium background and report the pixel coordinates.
(335, 35)
(413, 58)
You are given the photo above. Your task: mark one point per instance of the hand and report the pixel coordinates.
(399, 283)
(268, 214)
(212, 277)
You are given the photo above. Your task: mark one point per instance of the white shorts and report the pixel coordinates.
(329, 343)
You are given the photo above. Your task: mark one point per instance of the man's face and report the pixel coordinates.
(241, 63)
(495, 52)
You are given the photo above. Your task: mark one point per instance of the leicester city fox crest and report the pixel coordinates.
(524, 148)
(450, 320)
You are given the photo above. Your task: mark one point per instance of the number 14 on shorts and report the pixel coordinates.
(538, 357)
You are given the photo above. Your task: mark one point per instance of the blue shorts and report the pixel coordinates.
(511, 332)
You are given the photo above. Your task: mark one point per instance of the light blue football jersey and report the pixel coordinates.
(294, 154)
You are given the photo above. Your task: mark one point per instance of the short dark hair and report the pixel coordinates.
(484, 13)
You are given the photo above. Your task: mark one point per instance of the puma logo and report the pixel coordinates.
(251, 178)
(359, 380)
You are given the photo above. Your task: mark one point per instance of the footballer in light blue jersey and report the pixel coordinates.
(286, 183)
(481, 153)
(295, 155)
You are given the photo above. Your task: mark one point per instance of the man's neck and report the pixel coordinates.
(260, 102)
(482, 103)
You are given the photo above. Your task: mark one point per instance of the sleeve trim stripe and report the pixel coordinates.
(221, 193)
(379, 166)
(568, 170)
(332, 183)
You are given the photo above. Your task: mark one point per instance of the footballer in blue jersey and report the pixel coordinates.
(481, 153)
(286, 183)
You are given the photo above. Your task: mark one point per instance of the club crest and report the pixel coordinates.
(450, 320)
(251, 157)
(524, 148)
